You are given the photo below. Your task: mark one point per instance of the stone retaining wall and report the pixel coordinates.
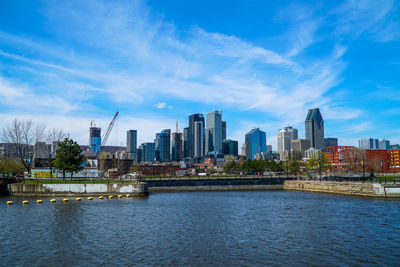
(345, 188)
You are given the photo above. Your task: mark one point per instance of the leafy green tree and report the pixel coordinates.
(12, 165)
(69, 157)
(319, 163)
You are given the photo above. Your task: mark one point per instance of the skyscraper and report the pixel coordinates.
(285, 137)
(198, 117)
(223, 130)
(148, 152)
(198, 139)
(314, 125)
(95, 139)
(213, 135)
(186, 142)
(230, 147)
(176, 146)
(330, 141)
(255, 143)
(131, 144)
(163, 146)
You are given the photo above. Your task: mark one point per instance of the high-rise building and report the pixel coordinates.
(285, 137)
(368, 143)
(131, 144)
(198, 117)
(198, 139)
(330, 141)
(384, 144)
(176, 146)
(371, 143)
(95, 139)
(148, 152)
(213, 135)
(163, 146)
(255, 143)
(269, 148)
(186, 142)
(230, 147)
(301, 145)
(223, 130)
(314, 125)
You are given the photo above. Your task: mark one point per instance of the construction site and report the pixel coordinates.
(101, 161)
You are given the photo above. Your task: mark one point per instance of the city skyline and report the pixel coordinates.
(66, 64)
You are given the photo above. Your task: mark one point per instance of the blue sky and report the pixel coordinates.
(264, 63)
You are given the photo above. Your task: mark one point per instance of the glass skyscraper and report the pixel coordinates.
(314, 126)
(196, 141)
(213, 136)
(163, 146)
(176, 146)
(131, 144)
(255, 143)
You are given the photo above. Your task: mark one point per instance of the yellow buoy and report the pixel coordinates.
(52, 200)
(110, 197)
(39, 201)
(119, 196)
(10, 203)
(25, 202)
(65, 200)
(90, 198)
(101, 197)
(78, 199)
(128, 195)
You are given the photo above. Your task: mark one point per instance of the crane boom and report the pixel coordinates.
(107, 134)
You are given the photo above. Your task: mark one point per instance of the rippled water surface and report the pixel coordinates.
(203, 229)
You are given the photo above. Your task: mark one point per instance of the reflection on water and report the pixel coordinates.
(210, 228)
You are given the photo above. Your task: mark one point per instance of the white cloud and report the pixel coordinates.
(161, 105)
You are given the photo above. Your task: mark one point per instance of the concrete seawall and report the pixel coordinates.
(345, 188)
(215, 184)
(76, 189)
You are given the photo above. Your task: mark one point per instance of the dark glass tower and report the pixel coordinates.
(198, 117)
(314, 125)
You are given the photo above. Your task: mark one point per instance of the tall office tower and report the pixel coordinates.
(198, 117)
(301, 145)
(163, 146)
(131, 144)
(255, 143)
(223, 130)
(368, 143)
(330, 141)
(214, 132)
(230, 147)
(384, 144)
(314, 125)
(139, 153)
(269, 148)
(198, 139)
(176, 146)
(285, 137)
(148, 152)
(186, 142)
(95, 139)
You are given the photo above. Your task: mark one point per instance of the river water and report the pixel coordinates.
(203, 229)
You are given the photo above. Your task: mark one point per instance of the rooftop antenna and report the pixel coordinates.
(177, 129)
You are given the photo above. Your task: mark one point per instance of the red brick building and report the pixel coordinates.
(159, 169)
(348, 159)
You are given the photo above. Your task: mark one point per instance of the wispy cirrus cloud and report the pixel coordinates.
(120, 54)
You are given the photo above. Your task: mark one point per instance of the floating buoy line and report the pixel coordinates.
(65, 200)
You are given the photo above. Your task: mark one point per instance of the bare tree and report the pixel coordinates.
(23, 134)
(54, 136)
